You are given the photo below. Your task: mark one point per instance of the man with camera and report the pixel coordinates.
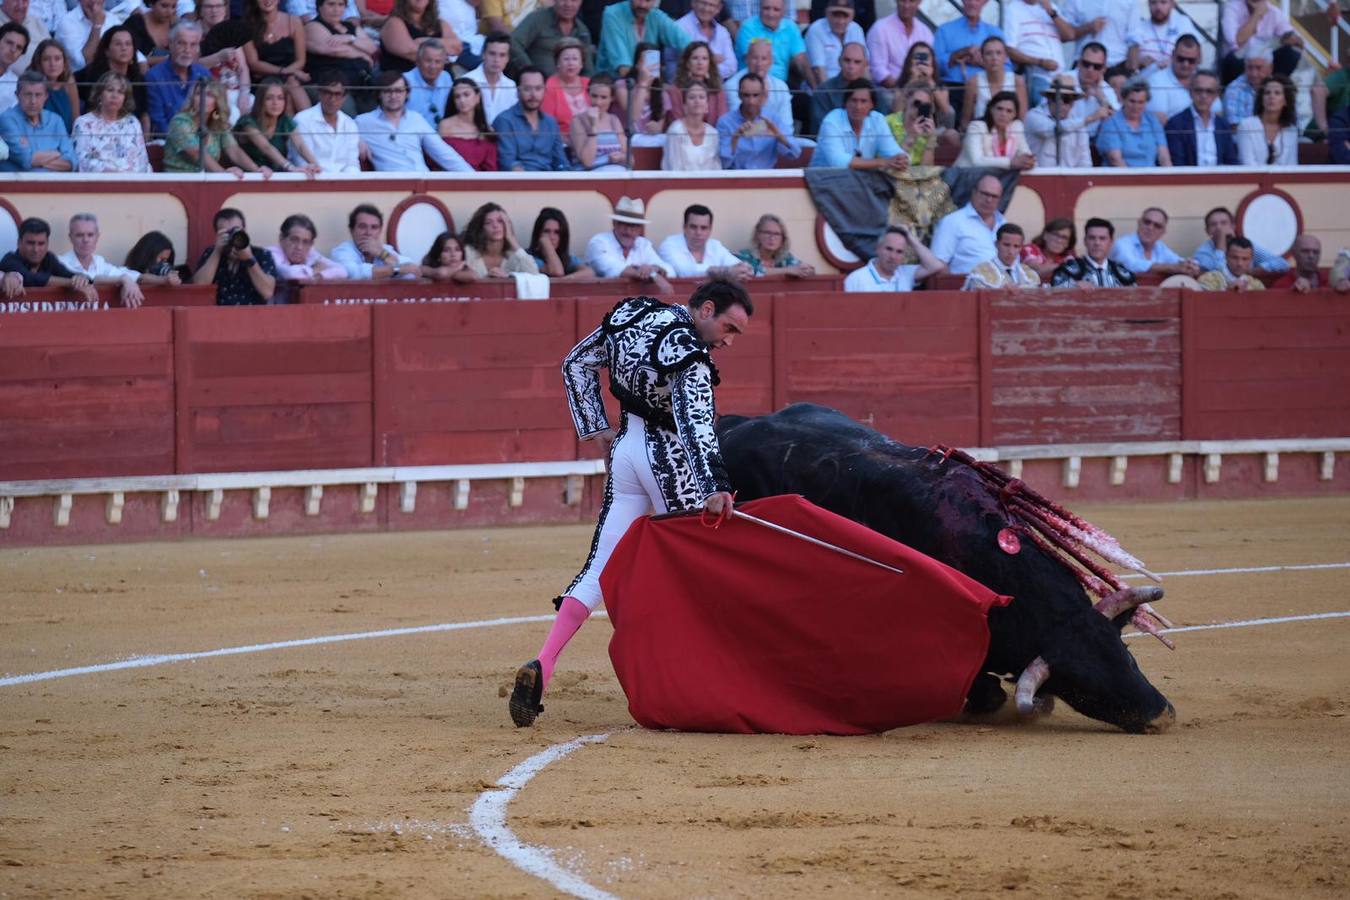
(242, 275)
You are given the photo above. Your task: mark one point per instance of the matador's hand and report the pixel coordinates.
(719, 504)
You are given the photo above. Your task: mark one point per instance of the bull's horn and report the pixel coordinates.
(1117, 602)
(1030, 681)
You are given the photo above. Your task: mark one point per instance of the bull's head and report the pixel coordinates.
(1085, 662)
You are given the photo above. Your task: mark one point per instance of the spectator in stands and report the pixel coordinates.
(1100, 100)
(400, 140)
(33, 265)
(551, 244)
(1270, 138)
(965, 237)
(746, 138)
(365, 256)
(695, 252)
(108, 138)
(13, 45)
(777, 104)
(534, 38)
(244, 275)
(502, 15)
(465, 127)
(1219, 227)
(1056, 134)
(622, 252)
(1305, 276)
(857, 136)
(1340, 273)
(770, 250)
(957, 44)
(701, 24)
(1144, 251)
(1236, 272)
(1006, 269)
(529, 140)
(203, 116)
(62, 97)
(82, 260)
(1169, 91)
(1152, 38)
(445, 260)
(412, 23)
(1133, 137)
(335, 45)
(1035, 30)
(115, 52)
(992, 77)
(998, 140)
(887, 271)
(276, 48)
(499, 92)
(330, 133)
(565, 92)
(491, 249)
(169, 83)
(428, 82)
(81, 28)
(150, 28)
(1199, 136)
(268, 135)
(222, 55)
(889, 39)
(785, 39)
(692, 143)
(643, 95)
(919, 68)
(296, 259)
(696, 67)
(619, 34)
(1261, 22)
(1095, 268)
(23, 13)
(1338, 137)
(826, 37)
(1239, 98)
(152, 255)
(1105, 22)
(1054, 246)
(37, 140)
(830, 93)
(597, 136)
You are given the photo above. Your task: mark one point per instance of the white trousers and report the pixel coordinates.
(630, 491)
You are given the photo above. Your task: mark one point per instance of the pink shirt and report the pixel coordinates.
(888, 44)
(1273, 26)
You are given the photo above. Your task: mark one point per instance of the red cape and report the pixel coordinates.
(743, 629)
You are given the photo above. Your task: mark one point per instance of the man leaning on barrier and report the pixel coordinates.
(33, 265)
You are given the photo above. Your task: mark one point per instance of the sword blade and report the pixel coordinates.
(774, 526)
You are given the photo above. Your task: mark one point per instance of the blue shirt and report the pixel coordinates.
(534, 151)
(963, 241)
(1239, 99)
(957, 35)
(786, 40)
(1129, 252)
(166, 94)
(1212, 259)
(405, 146)
(24, 138)
(618, 36)
(837, 143)
(755, 151)
(428, 100)
(1139, 147)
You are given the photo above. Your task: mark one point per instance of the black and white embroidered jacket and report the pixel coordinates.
(1080, 268)
(662, 371)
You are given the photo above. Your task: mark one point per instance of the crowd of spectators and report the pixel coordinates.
(316, 86)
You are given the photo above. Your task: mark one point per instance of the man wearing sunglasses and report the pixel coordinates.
(1144, 251)
(1169, 89)
(1152, 38)
(1099, 101)
(1199, 136)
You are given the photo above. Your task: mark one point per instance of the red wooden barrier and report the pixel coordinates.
(373, 293)
(1266, 364)
(44, 300)
(182, 295)
(86, 394)
(271, 388)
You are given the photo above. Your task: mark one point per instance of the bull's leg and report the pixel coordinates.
(986, 694)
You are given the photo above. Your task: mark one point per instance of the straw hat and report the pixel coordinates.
(630, 211)
(1064, 86)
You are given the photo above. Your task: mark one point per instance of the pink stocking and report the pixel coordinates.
(571, 615)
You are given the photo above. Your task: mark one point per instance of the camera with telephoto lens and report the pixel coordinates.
(925, 110)
(163, 267)
(239, 239)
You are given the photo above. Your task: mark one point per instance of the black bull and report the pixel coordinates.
(946, 511)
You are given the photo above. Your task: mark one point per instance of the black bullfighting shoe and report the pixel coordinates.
(529, 690)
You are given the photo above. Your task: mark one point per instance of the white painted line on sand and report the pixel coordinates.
(1245, 570)
(1247, 623)
(488, 819)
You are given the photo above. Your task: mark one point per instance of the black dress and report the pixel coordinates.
(355, 72)
(391, 63)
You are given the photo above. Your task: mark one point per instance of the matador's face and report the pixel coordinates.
(719, 330)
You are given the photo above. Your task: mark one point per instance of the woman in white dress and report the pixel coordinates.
(997, 141)
(1270, 138)
(691, 143)
(108, 138)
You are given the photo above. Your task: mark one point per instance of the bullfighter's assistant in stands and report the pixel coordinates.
(664, 456)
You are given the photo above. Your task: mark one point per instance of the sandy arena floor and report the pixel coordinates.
(350, 768)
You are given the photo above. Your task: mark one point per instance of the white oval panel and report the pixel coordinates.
(836, 248)
(417, 228)
(1270, 221)
(9, 231)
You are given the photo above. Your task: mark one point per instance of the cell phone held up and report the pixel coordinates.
(651, 62)
(924, 110)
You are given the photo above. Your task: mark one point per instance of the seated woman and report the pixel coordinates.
(277, 48)
(998, 140)
(267, 134)
(108, 138)
(50, 59)
(223, 53)
(691, 140)
(1269, 138)
(551, 247)
(596, 135)
(412, 22)
(643, 105)
(1133, 137)
(912, 123)
(296, 259)
(856, 136)
(465, 127)
(152, 255)
(117, 53)
(445, 260)
(184, 150)
(994, 78)
(769, 253)
(565, 90)
(150, 29)
(333, 44)
(920, 68)
(1053, 247)
(490, 246)
(696, 67)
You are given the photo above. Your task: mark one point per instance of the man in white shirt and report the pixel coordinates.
(1152, 38)
(778, 99)
(1006, 270)
(965, 237)
(1035, 33)
(1168, 89)
(1144, 251)
(397, 138)
(82, 260)
(1055, 130)
(623, 252)
(331, 134)
(1099, 101)
(826, 37)
(80, 29)
(701, 24)
(428, 82)
(366, 256)
(887, 272)
(13, 45)
(499, 92)
(696, 252)
(19, 11)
